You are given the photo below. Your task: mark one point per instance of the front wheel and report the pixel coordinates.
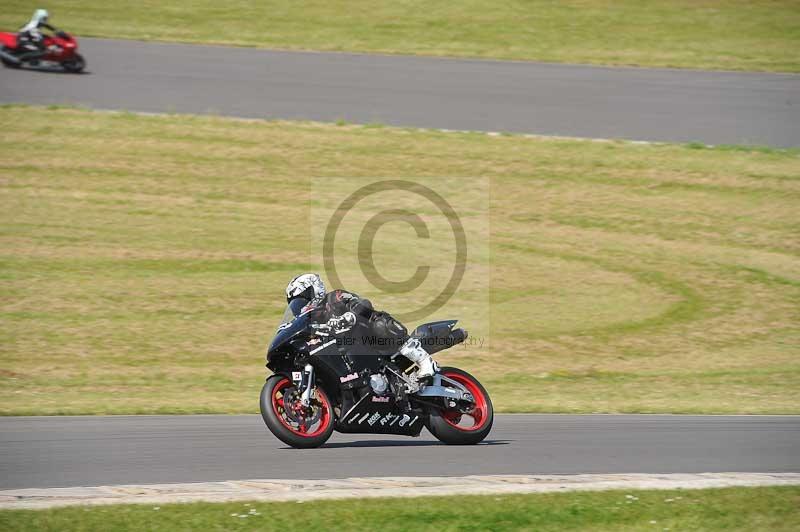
(75, 65)
(300, 426)
(460, 426)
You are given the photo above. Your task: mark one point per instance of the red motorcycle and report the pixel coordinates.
(61, 48)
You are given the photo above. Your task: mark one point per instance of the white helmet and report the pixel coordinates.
(40, 16)
(308, 286)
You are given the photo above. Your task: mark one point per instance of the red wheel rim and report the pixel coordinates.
(318, 400)
(479, 414)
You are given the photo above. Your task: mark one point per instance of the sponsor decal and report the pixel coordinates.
(297, 376)
(387, 418)
(365, 416)
(314, 341)
(376, 399)
(405, 420)
(348, 378)
(283, 326)
(373, 419)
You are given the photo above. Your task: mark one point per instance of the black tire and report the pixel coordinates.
(76, 65)
(278, 427)
(445, 431)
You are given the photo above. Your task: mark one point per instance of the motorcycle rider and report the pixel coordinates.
(341, 310)
(31, 38)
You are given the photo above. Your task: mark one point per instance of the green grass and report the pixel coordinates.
(769, 508)
(708, 34)
(143, 261)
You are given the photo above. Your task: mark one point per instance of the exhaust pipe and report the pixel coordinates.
(434, 345)
(10, 58)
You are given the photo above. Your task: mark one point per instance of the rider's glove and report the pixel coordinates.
(342, 323)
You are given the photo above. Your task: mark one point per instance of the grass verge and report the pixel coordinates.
(143, 261)
(767, 508)
(712, 34)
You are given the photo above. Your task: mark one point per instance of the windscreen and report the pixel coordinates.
(293, 309)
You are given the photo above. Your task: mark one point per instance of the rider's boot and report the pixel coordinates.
(413, 351)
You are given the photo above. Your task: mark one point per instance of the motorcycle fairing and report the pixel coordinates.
(374, 414)
(286, 332)
(9, 40)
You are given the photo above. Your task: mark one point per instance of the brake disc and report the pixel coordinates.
(291, 405)
(316, 413)
(298, 413)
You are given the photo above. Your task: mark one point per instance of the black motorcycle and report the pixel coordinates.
(354, 382)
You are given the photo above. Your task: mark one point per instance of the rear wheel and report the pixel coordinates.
(75, 65)
(463, 426)
(291, 422)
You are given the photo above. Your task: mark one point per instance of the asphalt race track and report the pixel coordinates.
(549, 99)
(99, 450)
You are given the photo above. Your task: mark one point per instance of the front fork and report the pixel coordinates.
(304, 380)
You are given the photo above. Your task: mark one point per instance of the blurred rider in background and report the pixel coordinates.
(30, 37)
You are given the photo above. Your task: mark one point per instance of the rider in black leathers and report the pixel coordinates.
(342, 310)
